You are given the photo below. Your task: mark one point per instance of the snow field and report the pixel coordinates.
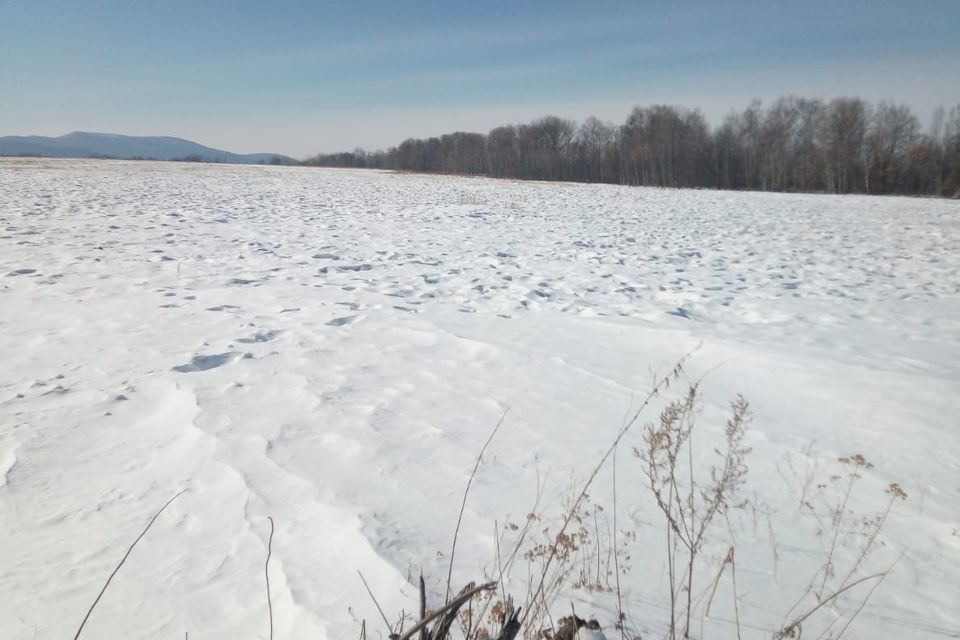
(332, 348)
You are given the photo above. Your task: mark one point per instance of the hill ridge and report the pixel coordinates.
(89, 144)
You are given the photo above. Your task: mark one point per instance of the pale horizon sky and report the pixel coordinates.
(305, 77)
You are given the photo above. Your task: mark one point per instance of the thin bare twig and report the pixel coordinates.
(841, 510)
(374, 598)
(266, 571)
(616, 554)
(463, 504)
(786, 631)
(525, 530)
(496, 538)
(733, 577)
(863, 604)
(712, 589)
(123, 560)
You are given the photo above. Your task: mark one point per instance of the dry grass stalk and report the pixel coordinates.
(689, 507)
(842, 520)
(463, 504)
(123, 560)
(266, 571)
(386, 622)
(538, 607)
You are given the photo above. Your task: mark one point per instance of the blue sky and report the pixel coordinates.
(303, 77)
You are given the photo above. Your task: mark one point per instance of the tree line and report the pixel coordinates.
(845, 145)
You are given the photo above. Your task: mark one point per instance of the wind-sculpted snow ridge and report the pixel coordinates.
(332, 348)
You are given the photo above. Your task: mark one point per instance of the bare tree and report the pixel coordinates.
(893, 129)
(595, 139)
(794, 144)
(845, 129)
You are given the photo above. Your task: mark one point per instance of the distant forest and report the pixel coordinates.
(846, 145)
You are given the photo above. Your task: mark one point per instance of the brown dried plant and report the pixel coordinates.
(688, 505)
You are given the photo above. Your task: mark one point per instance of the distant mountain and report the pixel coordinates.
(109, 145)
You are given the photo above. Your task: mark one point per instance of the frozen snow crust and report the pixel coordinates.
(332, 348)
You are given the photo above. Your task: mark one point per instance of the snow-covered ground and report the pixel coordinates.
(332, 348)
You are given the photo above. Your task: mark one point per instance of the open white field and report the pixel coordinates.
(332, 348)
